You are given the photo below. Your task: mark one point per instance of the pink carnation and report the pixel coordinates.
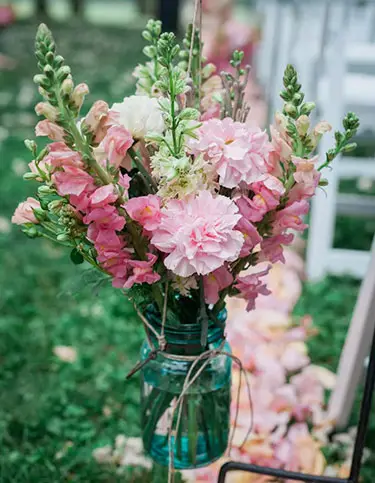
(142, 271)
(24, 212)
(50, 129)
(73, 181)
(250, 287)
(239, 152)
(116, 143)
(198, 234)
(214, 282)
(145, 210)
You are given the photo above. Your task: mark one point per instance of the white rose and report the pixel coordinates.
(140, 115)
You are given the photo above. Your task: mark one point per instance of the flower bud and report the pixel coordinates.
(45, 109)
(29, 175)
(290, 109)
(67, 86)
(303, 124)
(30, 145)
(307, 107)
(40, 214)
(63, 73)
(55, 206)
(208, 70)
(78, 95)
(45, 190)
(31, 232)
(63, 237)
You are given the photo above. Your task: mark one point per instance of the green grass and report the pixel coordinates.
(46, 301)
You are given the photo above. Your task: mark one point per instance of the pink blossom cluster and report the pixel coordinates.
(243, 215)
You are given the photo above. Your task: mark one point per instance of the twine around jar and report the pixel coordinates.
(190, 378)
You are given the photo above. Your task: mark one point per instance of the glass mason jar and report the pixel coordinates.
(202, 436)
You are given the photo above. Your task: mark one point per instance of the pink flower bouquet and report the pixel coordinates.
(171, 196)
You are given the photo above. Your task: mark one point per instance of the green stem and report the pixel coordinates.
(146, 175)
(173, 98)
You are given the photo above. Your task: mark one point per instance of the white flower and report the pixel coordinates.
(140, 115)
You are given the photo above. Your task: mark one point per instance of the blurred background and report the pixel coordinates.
(66, 344)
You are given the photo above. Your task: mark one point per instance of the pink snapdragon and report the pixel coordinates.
(60, 155)
(214, 282)
(50, 129)
(272, 248)
(198, 233)
(250, 286)
(105, 217)
(116, 143)
(266, 197)
(306, 176)
(103, 196)
(24, 212)
(73, 181)
(145, 210)
(142, 271)
(290, 217)
(251, 236)
(238, 152)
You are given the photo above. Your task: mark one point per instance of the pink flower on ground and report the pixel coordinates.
(266, 197)
(106, 217)
(24, 212)
(238, 151)
(289, 217)
(145, 210)
(214, 282)
(199, 234)
(73, 181)
(48, 128)
(272, 248)
(251, 236)
(142, 271)
(116, 143)
(250, 287)
(103, 196)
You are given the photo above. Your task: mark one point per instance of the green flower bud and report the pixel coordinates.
(45, 190)
(55, 206)
(63, 237)
(290, 109)
(307, 108)
(29, 175)
(40, 214)
(31, 145)
(63, 73)
(67, 86)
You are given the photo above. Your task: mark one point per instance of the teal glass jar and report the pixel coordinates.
(202, 436)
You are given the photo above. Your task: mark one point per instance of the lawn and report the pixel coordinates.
(52, 413)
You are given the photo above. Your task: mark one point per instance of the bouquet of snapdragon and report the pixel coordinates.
(171, 195)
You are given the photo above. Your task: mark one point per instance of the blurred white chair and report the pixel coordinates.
(339, 92)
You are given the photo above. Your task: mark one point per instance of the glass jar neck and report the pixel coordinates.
(185, 339)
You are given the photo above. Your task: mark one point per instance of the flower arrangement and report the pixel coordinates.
(171, 194)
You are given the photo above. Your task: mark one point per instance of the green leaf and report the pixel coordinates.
(76, 257)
